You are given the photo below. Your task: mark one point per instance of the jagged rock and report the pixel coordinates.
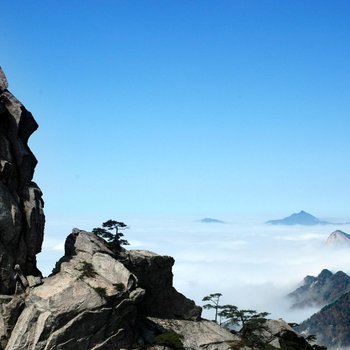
(21, 206)
(3, 81)
(155, 276)
(10, 309)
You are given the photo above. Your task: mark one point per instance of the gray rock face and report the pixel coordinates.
(280, 335)
(196, 335)
(21, 205)
(154, 273)
(10, 309)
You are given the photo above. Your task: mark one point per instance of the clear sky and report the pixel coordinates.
(208, 108)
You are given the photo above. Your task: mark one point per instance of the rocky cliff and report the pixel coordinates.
(21, 205)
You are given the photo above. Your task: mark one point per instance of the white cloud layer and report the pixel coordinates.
(252, 265)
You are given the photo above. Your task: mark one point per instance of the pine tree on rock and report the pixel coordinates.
(114, 239)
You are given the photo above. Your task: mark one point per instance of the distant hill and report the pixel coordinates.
(321, 290)
(301, 218)
(338, 238)
(211, 221)
(331, 324)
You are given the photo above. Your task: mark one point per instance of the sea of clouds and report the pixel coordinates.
(254, 265)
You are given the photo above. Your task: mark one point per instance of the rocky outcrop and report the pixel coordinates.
(280, 335)
(321, 290)
(21, 205)
(154, 273)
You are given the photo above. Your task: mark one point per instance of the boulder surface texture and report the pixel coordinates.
(21, 205)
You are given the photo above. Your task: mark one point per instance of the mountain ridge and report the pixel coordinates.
(320, 290)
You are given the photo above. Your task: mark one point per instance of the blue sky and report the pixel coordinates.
(199, 108)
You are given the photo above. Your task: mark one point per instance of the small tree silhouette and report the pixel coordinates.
(113, 239)
(214, 303)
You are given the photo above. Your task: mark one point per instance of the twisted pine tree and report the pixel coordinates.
(214, 300)
(114, 239)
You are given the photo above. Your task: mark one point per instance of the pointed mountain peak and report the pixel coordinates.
(325, 274)
(339, 233)
(301, 218)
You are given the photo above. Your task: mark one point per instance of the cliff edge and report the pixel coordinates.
(21, 205)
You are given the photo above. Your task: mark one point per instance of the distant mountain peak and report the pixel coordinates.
(325, 274)
(301, 218)
(338, 238)
(211, 221)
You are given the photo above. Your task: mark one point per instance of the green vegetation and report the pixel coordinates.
(171, 339)
(113, 239)
(250, 325)
(101, 291)
(119, 287)
(87, 270)
(242, 318)
(311, 338)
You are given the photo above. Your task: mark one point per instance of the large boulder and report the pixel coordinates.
(21, 205)
(154, 273)
(281, 335)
